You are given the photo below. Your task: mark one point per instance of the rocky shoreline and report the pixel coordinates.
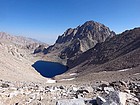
(99, 93)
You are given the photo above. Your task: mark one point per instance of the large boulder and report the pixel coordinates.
(113, 98)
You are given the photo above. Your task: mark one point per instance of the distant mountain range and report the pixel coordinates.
(17, 39)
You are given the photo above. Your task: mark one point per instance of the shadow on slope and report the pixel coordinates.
(49, 69)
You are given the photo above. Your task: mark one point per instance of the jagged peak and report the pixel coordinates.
(68, 31)
(89, 27)
(91, 22)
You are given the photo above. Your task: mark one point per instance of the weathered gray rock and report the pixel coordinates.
(108, 89)
(71, 102)
(40, 48)
(119, 85)
(91, 102)
(4, 85)
(113, 98)
(100, 100)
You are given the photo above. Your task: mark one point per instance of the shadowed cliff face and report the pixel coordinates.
(49, 69)
(120, 52)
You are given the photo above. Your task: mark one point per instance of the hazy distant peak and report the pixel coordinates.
(17, 39)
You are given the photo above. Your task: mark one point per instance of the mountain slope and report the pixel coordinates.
(117, 46)
(120, 52)
(15, 67)
(16, 59)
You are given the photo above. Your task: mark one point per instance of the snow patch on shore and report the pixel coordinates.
(73, 74)
(51, 81)
(69, 79)
(136, 74)
(125, 69)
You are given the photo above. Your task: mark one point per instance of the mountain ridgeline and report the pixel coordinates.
(20, 41)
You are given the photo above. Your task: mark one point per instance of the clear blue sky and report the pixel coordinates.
(46, 19)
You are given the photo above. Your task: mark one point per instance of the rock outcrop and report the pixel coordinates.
(40, 49)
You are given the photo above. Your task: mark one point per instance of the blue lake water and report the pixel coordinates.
(49, 69)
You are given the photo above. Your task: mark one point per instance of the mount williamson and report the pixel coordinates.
(78, 40)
